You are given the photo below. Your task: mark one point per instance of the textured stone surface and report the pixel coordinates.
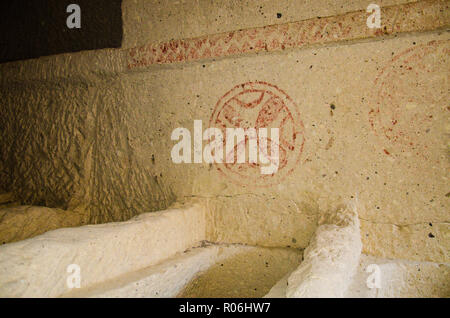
(343, 156)
(401, 278)
(249, 273)
(83, 133)
(421, 241)
(148, 257)
(161, 21)
(418, 16)
(166, 279)
(70, 148)
(332, 257)
(37, 267)
(22, 222)
(258, 220)
(398, 278)
(207, 271)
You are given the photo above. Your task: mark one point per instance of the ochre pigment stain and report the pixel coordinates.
(280, 37)
(261, 105)
(406, 101)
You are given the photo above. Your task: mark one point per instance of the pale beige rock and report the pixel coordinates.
(401, 278)
(82, 166)
(208, 271)
(251, 272)
(314, 181)
(397, 278)
(421, 242)
(37, 267)
(165, 279)
(332, 267)
(87, 135)
(357, 155)
(148, 257)
(22, 222)
(258, 220)
(279, 289)
(165, 20)
(331, 259)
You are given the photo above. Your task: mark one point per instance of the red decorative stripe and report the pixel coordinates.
(417, 16)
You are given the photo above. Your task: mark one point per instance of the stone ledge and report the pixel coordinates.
(400, 278)
(37, 267)
(24, 221)
(166, 279)
(331, 259)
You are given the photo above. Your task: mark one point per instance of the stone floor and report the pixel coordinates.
(249, 273)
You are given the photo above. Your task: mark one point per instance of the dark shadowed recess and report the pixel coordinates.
(33, 28)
